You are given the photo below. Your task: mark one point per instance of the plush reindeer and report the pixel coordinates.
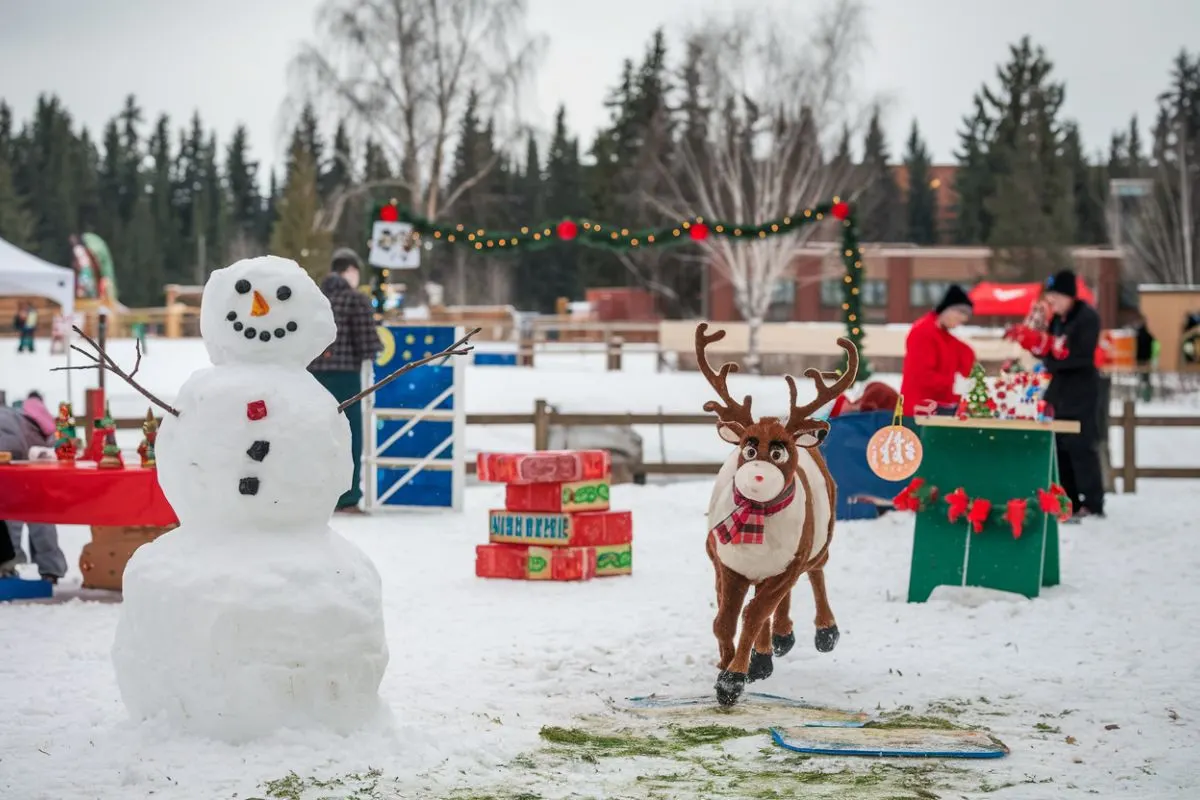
(770, 521)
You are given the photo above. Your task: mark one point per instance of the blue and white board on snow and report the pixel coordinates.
(888, 742)
(413, 428)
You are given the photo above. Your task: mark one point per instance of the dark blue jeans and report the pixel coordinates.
(343, 386)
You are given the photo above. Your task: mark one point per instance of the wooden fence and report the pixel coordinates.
(544, 417)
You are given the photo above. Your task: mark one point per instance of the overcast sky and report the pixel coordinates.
(228, 58)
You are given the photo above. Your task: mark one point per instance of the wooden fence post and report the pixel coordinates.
(615, 346)
(1129, 437)
(525, 351)
(541, 425)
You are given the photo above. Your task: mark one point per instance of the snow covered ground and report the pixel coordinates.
(1094, 686)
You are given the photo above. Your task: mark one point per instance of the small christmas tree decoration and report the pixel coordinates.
(1015, 514)
(111, 457)
(65, 446)
(149, 434)
(979, 402)
(978, 514)
(958, 502)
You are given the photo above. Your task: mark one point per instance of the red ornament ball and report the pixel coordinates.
(389, 213)
(567, 229)
(840, 210)
(698, 232)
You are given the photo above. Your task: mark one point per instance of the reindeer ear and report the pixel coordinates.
(731, 432)
(811, 437)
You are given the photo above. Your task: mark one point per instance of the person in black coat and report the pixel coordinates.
(1073, 392)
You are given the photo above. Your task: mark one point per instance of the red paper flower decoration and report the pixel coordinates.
(840, 210)
(389, 213)
(567, 230)
(698, 232)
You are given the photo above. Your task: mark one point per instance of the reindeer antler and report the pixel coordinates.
(732, 411)
(825, 392)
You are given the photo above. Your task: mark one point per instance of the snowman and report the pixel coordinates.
(254, 614)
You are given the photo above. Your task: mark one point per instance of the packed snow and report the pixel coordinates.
(1093, 686)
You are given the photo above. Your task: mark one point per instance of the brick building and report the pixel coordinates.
(901, 283)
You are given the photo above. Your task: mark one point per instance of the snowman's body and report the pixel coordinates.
(254, 614)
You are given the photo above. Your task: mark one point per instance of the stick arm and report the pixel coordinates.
(459, 348)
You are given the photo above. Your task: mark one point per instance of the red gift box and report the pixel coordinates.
(582, 529)
(517, 562)
(550, 466)
(565, 497)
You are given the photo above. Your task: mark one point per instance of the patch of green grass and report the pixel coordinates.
(352, 786)
(624, 745)
(926, 722)
(1042, 727)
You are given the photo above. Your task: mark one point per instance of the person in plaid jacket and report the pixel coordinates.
(339, 368)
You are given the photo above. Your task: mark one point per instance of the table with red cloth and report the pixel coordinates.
(124, 507)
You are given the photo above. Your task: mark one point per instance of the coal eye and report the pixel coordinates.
(242, 286)
(779, 455)
(749, 452)
(283, 293)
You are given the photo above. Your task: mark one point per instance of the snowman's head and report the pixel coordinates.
(265, 310)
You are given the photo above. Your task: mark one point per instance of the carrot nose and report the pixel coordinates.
(260, 307)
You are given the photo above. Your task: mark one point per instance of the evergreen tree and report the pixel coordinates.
(564, 199)
(45, 174)
(922, 207)
(1029, 202)
(293, 235)
(881, 217)
(16, 223)
(1087, 188)
(241, 187)
(162, 188)
(974, 182)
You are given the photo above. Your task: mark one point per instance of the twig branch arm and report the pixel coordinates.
(102, 360)
(459, 348)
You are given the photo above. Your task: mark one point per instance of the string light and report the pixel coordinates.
(617, 238)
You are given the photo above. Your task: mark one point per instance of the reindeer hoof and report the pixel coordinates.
(730, 686)
(782, 645)
(761, 667)
(827, 639)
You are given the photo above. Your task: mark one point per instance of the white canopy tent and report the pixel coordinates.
(24, 274)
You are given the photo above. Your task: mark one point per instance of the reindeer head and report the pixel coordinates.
(768, 446)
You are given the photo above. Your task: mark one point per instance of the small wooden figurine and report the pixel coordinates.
(149, 434)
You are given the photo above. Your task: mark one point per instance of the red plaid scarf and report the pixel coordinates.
(747, 523)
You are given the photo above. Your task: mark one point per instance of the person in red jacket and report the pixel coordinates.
(933, 355)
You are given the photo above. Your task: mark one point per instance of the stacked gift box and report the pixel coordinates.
(556, 524)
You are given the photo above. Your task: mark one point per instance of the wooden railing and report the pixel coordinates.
(544, 417)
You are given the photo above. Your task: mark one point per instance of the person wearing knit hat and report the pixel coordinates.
(1073, 391)
(933, 355)
(339, 369)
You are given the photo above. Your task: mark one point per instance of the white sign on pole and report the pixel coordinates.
(394, 245)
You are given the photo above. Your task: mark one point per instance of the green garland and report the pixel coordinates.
(617, 238)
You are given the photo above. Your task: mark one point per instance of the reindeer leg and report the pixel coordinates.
(784, 638)
(761, 663)
(827, 630)
(732, 681)
(731, 593)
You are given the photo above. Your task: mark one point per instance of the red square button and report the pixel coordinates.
(256, 410)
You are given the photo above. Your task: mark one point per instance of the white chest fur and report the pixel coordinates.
(782, 531)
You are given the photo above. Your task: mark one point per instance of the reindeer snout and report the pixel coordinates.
(758, 478)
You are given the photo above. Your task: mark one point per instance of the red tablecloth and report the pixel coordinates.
(82, 494)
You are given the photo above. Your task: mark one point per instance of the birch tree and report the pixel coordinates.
(400, 71)
(1155, 216)
(778, 102)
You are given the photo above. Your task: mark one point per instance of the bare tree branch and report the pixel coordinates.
(777, 107)
(101, 360)
(400, 72)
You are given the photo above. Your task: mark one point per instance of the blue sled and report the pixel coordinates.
(845, 451)
(21, 589)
